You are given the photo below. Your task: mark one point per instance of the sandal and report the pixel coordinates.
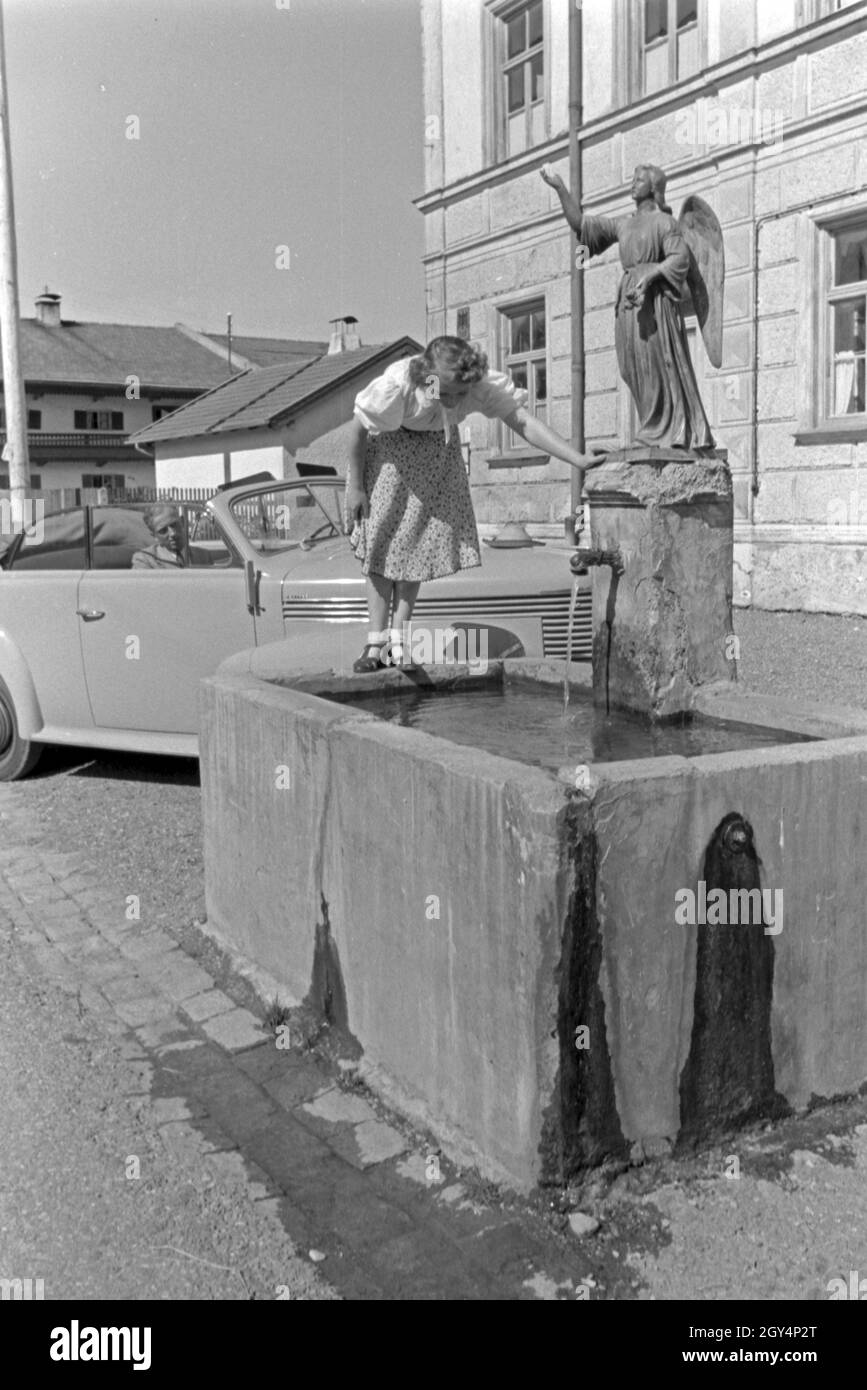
(371, 657)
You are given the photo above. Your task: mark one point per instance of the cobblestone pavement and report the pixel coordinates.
(157, 1142)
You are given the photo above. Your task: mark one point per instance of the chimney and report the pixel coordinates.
(344, 335)
(48, 309)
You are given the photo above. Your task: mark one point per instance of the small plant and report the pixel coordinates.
(276, 1015)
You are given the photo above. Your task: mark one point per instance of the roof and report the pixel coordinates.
(107, 353)
(267, 352)
(263, 396)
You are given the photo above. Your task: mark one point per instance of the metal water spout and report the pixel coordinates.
(585, 556)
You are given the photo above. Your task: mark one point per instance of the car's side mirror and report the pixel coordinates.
(252, 575)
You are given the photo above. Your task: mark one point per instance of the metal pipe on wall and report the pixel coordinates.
(576, 120)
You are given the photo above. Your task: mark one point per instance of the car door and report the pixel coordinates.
(38, 618)
(150, 635)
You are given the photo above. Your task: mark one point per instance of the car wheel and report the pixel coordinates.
(18, 756)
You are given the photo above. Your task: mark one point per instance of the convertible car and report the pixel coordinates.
(96, 652)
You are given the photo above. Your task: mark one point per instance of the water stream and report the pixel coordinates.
(573, 603)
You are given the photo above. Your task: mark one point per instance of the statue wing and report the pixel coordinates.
(703, 295)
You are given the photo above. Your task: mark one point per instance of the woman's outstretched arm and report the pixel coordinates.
(541, 436)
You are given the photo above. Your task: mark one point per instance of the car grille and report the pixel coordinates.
(552, 609)
(555, 631)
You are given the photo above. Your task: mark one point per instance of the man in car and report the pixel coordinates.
(166, 524)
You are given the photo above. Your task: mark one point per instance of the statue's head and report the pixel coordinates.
(648, 181)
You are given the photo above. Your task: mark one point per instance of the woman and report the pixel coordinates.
(652, 351)
(407, 488)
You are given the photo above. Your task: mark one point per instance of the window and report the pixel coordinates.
(158, 411)
(524, 355)
(832, 302)
(462, 323)
(846, 317)
(515, 63)
(34, 419)
(291, 517)
(810, 10)
(115, 481)
(524, 79)
(670, 43)
(98, 420)
(35, 482)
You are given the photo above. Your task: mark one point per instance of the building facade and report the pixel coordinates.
(759, 106)
(89, 386)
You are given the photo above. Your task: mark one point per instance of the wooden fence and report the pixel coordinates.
(56, 499)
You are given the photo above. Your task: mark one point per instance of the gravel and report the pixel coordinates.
(808, 656)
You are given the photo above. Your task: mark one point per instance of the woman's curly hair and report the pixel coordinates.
(455, 355)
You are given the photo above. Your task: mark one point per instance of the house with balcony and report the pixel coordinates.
(279, 419)
(90, 385)
(760, 107)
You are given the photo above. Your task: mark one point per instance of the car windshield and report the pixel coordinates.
(292, 516)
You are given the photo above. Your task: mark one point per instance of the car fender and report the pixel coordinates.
(15, 673)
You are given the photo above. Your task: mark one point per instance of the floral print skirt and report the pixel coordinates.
(421, 523)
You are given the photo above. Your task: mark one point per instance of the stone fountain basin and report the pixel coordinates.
(460, 915)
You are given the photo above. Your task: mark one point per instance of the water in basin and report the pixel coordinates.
(526, 721)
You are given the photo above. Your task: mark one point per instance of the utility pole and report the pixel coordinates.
(576, 120)
(13, 383)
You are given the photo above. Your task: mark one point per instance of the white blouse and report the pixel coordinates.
(391, 401)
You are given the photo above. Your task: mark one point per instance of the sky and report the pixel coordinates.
(279, 147)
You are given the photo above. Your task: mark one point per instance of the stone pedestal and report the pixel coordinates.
(661, 628)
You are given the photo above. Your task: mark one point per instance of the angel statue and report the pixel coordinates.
(670, 268)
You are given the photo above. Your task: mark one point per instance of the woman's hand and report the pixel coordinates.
(551, 178)
(357, 504)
